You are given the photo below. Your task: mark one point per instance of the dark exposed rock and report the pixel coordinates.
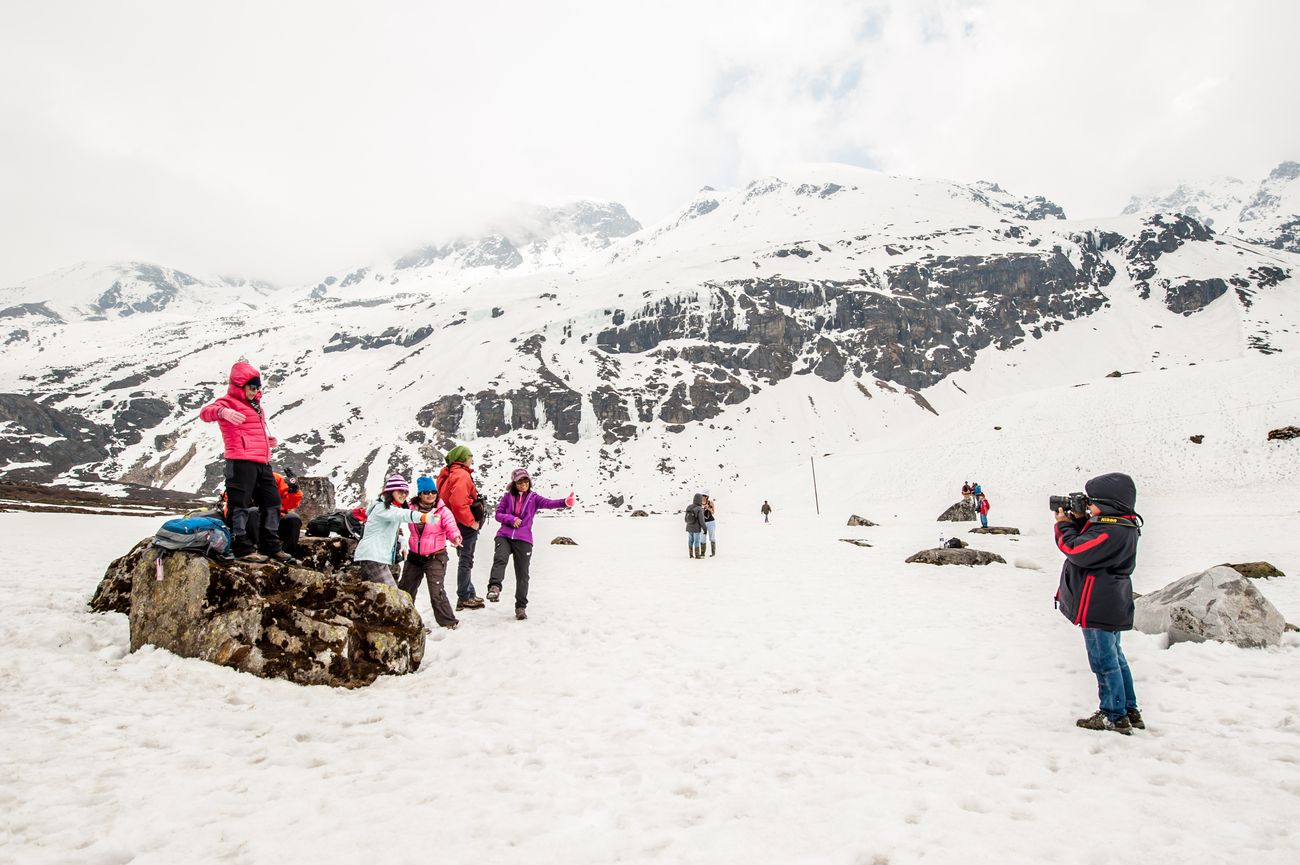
(961, 512)
(615, 501)
(995, 530)
(391, 336)
(639, 514)
(1255, 570)
(443, 414)
(113, 594)
(951, 556)
(564, 542)
(317, 497)
(856, 520)
(1196, 439)
(72, 440)
(1284, 433)
(272, 621)
(857, 542)
(1194, 295)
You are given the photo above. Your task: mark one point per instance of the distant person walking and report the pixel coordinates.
(514, 539)
(710, 523)
(457, 490)
(766, 511)
(250, 483)
(426, 556)
(695, 528)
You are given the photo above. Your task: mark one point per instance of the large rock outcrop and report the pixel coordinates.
(315, 625)
(959, 513)
(1216, 604)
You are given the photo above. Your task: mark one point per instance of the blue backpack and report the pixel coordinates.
(204, 535)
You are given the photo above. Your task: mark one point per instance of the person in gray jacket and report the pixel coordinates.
(695, 528)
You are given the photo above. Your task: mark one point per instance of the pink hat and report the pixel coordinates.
(396, 483)
(519, 475)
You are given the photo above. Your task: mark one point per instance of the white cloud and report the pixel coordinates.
(293, 139)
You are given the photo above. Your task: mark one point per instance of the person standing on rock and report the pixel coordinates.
(710, 523)
(250, 483)
(984, 507)
(695, 529)
(766, 511)
(426, 555)
(456, 489)
(377, 551)
(514, 539)
(1096, 592)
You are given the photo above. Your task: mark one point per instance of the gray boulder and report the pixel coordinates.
(317, 497)
(857, 542)
(962, 512)
(995, 530)
(289, 622)
(1216, 604)
(564, 542)
(856, 520)
(953, 556)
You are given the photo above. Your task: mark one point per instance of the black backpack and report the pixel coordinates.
(341, 523)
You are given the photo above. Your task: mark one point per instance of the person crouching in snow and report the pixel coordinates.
(515, 537)
(1096, 592)
(426, 556)
(250, 483)
(385, 517)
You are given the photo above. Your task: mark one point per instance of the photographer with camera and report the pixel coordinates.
(1098, 533)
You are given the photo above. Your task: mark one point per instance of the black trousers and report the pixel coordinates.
(523, 556)
(251, 493)
(465, 561)
(432, 568)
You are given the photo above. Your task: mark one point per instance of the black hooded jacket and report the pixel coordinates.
(1096, 588)
(695, 514)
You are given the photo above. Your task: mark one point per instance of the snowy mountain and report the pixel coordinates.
(796, 315)
(1267, 213)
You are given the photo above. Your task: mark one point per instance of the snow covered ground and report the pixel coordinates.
(795, 700)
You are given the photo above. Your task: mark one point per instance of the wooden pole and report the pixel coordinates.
(816, 500)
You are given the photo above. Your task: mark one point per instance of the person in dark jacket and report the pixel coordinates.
(766, 510)
(1096, 592)
(695, 526)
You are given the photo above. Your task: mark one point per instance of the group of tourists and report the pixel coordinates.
(261, 510)
(701, 526)
(973, 493)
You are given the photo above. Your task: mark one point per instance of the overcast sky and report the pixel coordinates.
(289, 140)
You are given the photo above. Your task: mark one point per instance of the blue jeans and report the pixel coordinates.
(984, 520)
(1114, 681)
(465, 562)
(695, 539)
(712, 531)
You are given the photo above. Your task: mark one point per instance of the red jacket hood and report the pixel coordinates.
(240, 374)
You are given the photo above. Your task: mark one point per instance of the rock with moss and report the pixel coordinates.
(1255, 570)
(995, 530)
(314, 625)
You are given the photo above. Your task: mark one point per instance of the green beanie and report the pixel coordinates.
(458, 454)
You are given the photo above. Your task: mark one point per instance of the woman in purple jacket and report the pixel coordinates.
(515, 537)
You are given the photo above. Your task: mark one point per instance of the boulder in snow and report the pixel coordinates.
(856, 520)
(564, 542)
(951, 556)
(857, 542)
(995, 530)
(1255, 570)
(1216, 604)
(1284, 433)
(639, 514)
(962, 512)
(294, 623)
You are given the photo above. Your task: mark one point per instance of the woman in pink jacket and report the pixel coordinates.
(250, 484)
(426, 555)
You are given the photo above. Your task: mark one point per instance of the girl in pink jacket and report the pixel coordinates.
(426, 555)
(250, 484)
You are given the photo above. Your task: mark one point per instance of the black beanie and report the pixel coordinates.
(1116, 486)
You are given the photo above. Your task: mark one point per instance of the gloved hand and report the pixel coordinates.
(272, 441)
(568, 503)
(229, 415)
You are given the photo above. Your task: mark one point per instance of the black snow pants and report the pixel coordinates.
(523, 555)
(250, 489)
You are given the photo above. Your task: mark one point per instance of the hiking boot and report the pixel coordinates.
(1135, 719)
(1099, 721)
(475, 603)
(451, 626)
(254, 558)
(282, 556)
(494, 593)
(521, 613)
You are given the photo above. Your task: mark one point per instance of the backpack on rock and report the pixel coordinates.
(204, 535)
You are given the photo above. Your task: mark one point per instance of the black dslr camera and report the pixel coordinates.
(1075, 503)
(290, 480)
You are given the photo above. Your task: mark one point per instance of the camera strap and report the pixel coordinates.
(1118, 521)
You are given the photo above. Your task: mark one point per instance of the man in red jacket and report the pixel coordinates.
(457, 491)
(250, 484)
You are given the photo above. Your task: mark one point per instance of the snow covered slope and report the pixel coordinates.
(798, 315)
(1267, 213)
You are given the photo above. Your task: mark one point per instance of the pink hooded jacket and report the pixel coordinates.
(248, 440)
(431, 537)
